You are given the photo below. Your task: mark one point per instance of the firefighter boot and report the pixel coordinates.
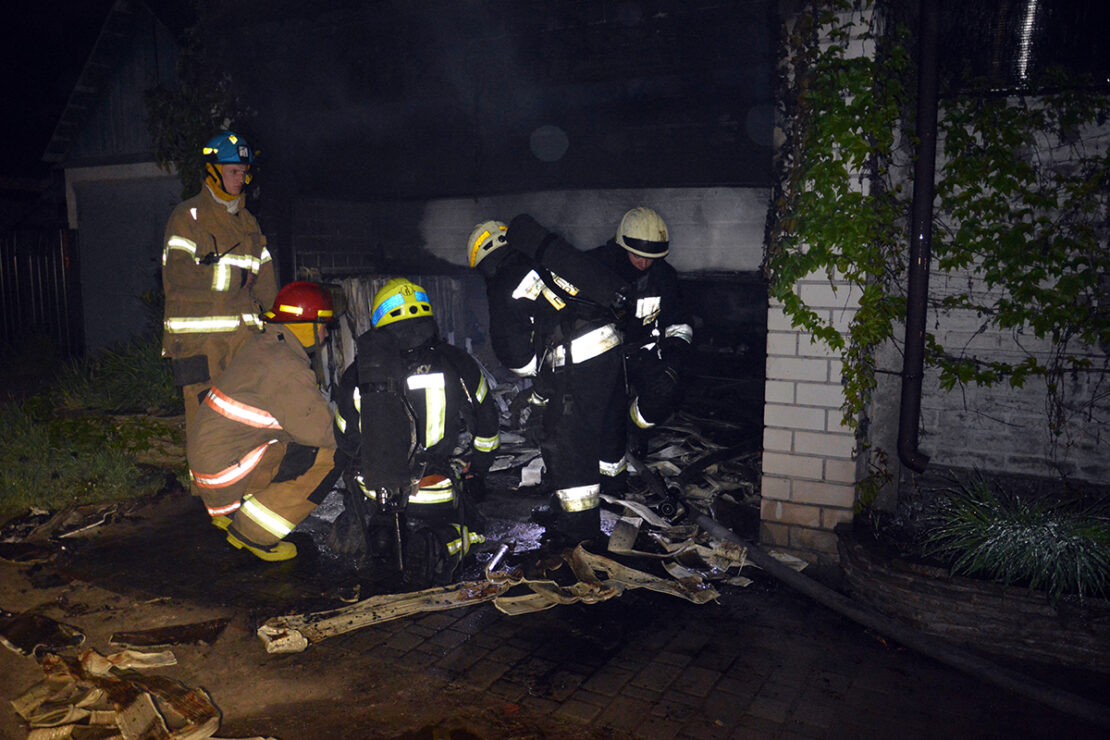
(426, 561)
(221, 522)
(280, 550)
(578, 526)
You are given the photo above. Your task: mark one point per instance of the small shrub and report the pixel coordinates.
(1060, 544)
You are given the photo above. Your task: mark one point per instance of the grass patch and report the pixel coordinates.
(133, 378)
(81, 441)
(1049, 541)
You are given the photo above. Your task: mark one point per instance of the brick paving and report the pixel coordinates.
(764, 663)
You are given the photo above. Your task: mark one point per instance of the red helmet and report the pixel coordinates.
(302, 301)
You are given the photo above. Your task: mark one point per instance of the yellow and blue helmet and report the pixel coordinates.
(397, 300)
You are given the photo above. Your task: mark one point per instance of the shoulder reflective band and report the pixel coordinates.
(588, 346)
(435, 404)
(179, 242)
(233, 473)
(530, 286)
(202, 324)
(566, 285)
(553, 298)
(612, 469)
(647, 308)
(434, 489)
(579, 498)
(684, 332)
(266, 518)
(638, 418)
(225, 405)
(487, 444)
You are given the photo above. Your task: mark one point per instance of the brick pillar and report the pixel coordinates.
(809, 466)
(809, 470)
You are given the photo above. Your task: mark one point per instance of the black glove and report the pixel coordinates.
(659, 380)
(527, 235)
(533, 423)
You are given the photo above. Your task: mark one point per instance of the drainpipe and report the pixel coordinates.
(921, 234)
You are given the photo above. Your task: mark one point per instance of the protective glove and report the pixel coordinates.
(533, 423)
(659, 380)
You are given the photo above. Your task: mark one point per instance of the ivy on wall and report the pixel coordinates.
(837, 210)
(1023, 193)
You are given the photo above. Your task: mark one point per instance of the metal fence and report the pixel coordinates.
(40, 292)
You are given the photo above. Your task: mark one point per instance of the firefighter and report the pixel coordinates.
(657, 337)
(401, 407)
(216, 272)
(261, 447)
(551, 314)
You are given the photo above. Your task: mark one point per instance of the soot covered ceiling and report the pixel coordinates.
(466, 97)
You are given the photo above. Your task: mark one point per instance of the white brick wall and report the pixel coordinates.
(710, 228)
(809, 470)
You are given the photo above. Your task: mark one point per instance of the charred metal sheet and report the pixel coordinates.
(33, 634)
(198, 633)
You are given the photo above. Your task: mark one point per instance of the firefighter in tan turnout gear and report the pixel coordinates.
(216, 272)
(261, 448)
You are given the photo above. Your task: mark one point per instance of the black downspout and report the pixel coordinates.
(921, 234)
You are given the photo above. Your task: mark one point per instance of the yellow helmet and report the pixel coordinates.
(397, 300)
(486, 237)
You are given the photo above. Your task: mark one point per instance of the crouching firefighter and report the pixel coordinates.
(401, 407)
(552, 316)
(261, 448)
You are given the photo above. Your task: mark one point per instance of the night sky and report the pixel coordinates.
(45, 45)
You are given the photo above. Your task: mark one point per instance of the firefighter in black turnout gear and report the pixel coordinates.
(400, 409)
(552, 318)
(657, 338)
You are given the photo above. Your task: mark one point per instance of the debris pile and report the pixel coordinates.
(105, 697)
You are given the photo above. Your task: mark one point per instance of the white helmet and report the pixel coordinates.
(486, 237)
(643, 232)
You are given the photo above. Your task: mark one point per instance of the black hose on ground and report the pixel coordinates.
(1049, 696)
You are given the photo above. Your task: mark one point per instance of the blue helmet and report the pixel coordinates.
(228, 148)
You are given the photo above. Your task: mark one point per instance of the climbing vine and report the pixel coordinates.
(1020, 221)
(838, 211)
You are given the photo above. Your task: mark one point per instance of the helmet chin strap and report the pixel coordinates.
(214, 181)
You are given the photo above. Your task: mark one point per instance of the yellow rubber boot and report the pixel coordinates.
(221, 522)
(280, 550)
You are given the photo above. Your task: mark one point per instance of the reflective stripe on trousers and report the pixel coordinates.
(579, 498)
(234, 472)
